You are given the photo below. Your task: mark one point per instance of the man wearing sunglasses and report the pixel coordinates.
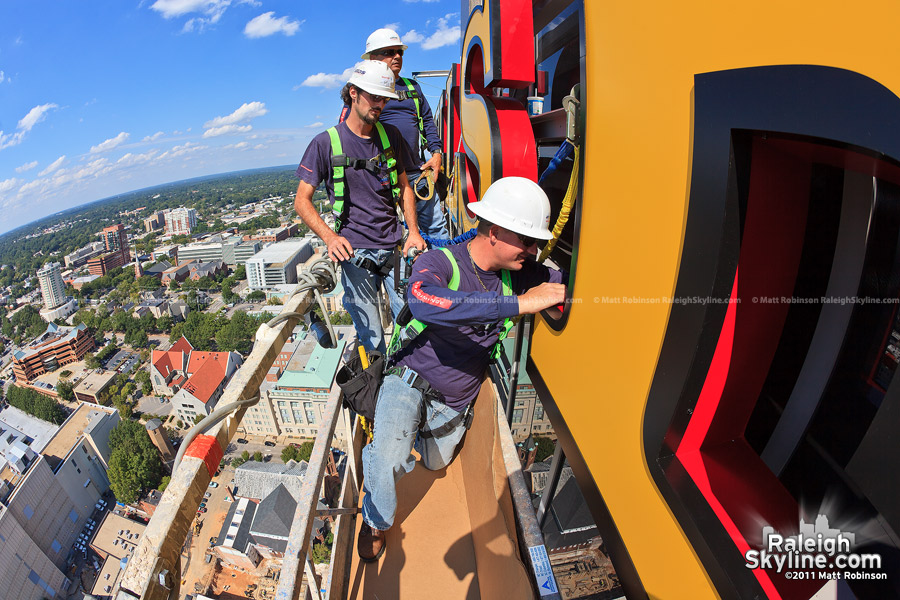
(466, 296)
(363, 164)
(411, 114)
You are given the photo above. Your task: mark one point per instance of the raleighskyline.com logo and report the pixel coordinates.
(816, 552)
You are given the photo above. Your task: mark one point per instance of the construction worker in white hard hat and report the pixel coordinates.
(411, 114)
(462, 299)
(363, 164)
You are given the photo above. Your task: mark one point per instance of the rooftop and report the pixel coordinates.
(95, 382)
(313, 366)
(280, 251)
(53, 335)
(71, 430)
(38, 430)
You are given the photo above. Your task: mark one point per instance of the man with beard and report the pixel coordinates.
(363, 164)
(411, 114)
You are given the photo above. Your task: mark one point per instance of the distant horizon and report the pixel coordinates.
(95, 102)
(61, 214)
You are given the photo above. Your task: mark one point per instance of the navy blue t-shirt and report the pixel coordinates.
(372, 219)
(463, 326)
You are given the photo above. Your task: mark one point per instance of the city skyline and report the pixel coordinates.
(115, 98)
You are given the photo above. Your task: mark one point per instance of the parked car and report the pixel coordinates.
(269, 444)
(213, 484)
(209, 558)
(241, 441)
(207, 494)
(213, 540)
(203, 505)
(201, 510)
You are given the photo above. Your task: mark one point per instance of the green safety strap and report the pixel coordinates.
(415, 98)
(340, 190)
(337, 178)
(415, 327)
(391, 161)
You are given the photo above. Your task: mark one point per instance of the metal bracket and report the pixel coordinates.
(572, 105)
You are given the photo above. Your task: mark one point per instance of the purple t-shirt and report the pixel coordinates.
(371, 220)
(463, 326)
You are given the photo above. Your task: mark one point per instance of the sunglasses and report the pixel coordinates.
(528, 242)
(390, 52)
(376, 99)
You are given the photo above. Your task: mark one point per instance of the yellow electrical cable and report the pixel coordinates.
(568, 201)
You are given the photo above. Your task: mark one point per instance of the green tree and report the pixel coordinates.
(35, 404)
(545, 447)
(164, 483)
(256, 296)
(64, 389)
(258, 456)
(135, 463)
(91, 361)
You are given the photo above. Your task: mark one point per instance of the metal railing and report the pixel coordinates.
(153, 572)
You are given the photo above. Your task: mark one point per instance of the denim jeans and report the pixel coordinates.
(428, 212)
(388, 457)
(361, 293)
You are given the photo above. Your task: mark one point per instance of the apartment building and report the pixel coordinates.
(181, 221)
(277, 264)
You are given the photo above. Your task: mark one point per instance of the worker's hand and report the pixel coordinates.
(414, 241)
(339, 249)
(541, 297)
(434, 163)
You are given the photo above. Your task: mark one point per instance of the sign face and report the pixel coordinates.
(496, 139)
(543, 572)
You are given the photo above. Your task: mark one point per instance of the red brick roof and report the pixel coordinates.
(204, 371)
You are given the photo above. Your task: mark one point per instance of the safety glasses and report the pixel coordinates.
(389, 52)
(528, 242)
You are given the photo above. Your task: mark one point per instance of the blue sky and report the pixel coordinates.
(101, 97)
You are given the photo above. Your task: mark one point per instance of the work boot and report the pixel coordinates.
(371, 542)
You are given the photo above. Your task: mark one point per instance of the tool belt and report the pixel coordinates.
(360, 386)
(370, 265)
(429, 394)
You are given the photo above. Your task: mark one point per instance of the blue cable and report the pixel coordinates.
(564, 152)
(440, 243)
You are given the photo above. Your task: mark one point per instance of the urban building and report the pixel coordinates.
(194, 379)
(199, 270)
(92, 387)
(276, 234)
(528, 416)
(237, 252)
(160, 439)
(83, 255)
(52, 287)
(115, 241)
(79, 282)
(155, 222)
(297, 388)
(256, 480)
(114, 542)
(205, 252)
(163, 252)
(180, 221)
(43, 510)
(277, 264)
(55, 347)
(177, 273)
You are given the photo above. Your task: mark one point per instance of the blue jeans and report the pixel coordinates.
(388, 457)
(428, 212)
(361, 293)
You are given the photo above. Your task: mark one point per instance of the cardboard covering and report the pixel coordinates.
(454, 535)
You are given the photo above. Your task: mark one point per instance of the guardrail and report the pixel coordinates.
(153, 572)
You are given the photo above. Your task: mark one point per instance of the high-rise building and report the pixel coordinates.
(277, 264)
(116, 240)
(52, 287)
(181, 221)
(117, 255)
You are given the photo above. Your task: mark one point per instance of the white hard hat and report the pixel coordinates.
(375, 77)
(517, 204)
(382, 38)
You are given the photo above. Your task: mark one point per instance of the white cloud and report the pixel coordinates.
(2, 76)
(53, 166)
(265, 25)
(246, 112)
(327, 80)
(259, 147)
(445, 35)
(187, 148)
(8, 184)
(394, 26)
(35, 116)
(27, 167)
(226, 130)
(110, 143)
(316, 124)
(26, 123)
(129, 159)
(412, 37)
(176, 8)
(154, 137)
(238, 146)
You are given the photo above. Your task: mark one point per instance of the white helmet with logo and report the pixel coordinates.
(517, 204)
(382, 38)
(375, 77)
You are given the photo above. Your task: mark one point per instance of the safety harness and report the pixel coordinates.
(340, 161)
(406, 329)
(410, 92)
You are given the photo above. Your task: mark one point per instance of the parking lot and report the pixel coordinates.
(122, 361)
(155, 405)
